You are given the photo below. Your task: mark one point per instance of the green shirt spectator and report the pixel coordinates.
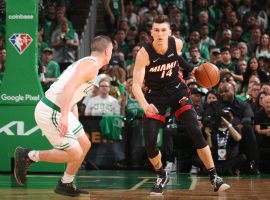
(50, 69)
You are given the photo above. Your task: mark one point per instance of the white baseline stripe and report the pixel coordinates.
(139, 184)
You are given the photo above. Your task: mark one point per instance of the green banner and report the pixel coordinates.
(21, 88)
(21, 85)
(20, 129)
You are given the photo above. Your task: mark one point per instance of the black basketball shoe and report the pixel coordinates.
(161, 182)
(21, 164)
(69, 189)
(218, 184)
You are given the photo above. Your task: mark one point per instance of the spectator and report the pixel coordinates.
(253, 68)
(114, 10)
(151, 5)
(265, 88)
(263, 49)
(253, 92)
(243, 116)
(244, 8)
(93, 93)
(123, 47)
(50, 69)
(198, 6)
(258, 104)
(254, 40)
(65, 43)
(242, 65)
(215, 55)
(226, 64)
(196, 59)
(103, 103)
(133, 18)
(49, 21)
(223, 25)
(204, 20)
(130, 63)
(262, 128)
(196, 97)
(133, 130)
(195, 40)
(144, 38)
(123, 24)
(225, 41)
(237, 32)
(179, 20)
(243, 50)
(223, 137)
(205, 39)
(235, 53)
(60, 16)
(231, 18)
(210, 97)
(41, 42)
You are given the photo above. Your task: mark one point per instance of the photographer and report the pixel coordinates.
(65, 43)
(223, 139)
(243, 116)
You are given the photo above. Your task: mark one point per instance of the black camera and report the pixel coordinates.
(214, 119)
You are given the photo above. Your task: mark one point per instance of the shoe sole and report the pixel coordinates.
(223, 187)
(156, 194)
(16, 161)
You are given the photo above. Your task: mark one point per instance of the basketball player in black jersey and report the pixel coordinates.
(157, 66)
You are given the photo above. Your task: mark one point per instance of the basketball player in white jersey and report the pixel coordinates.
(57, 116)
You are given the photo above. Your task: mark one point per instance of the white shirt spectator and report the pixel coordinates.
(103, 103)
(98, 106)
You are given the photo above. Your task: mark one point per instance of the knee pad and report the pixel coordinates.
(150, 131)
(191, 123)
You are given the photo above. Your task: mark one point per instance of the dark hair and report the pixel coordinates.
(224, 49)
(213, 92)
(161, 19)
(100, 43)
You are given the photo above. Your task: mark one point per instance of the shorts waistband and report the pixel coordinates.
(50, 104)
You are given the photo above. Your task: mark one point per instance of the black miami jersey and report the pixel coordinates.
(163, 70)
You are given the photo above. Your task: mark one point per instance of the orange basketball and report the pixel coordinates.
(207, 75)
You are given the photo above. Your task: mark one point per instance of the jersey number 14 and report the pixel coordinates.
(166, 73)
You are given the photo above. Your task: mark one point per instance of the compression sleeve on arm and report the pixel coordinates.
(184, 64)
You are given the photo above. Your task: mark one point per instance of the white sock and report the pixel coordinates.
(34, 155)
(67, 178)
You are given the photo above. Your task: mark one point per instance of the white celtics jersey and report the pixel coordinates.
(56, 90)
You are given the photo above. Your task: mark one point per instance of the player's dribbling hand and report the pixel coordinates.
(151, 109)
(63, 126)
(193, 71)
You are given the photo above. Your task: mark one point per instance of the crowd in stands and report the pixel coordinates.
(57, 39)
(232, 34)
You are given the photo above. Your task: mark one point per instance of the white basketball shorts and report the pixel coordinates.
(47, 116)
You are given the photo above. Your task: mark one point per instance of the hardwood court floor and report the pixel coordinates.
(134, 185)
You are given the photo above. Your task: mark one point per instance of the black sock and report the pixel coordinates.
(161, 172)
(212, 172)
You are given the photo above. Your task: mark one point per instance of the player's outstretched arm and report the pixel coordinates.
(142, 60)
(85, 71)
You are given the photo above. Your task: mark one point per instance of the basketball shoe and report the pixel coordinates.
(69, 189)
(218, 184)
(161, 182)
(21, 164)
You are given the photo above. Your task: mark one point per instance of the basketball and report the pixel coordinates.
(207, 75)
